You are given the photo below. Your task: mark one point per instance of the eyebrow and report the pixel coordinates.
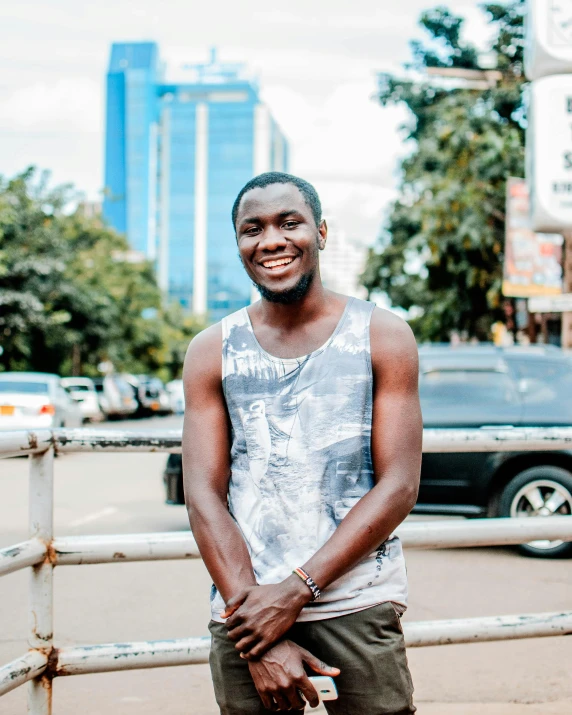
(281, 216)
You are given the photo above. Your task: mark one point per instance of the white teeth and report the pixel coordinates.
(277, 262)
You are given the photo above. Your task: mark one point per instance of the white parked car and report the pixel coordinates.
(82, 390)
(35, 400)
(177, 396)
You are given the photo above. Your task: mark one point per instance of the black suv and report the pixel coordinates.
(486, 387)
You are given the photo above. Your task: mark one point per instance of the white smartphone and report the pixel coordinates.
(325, 687)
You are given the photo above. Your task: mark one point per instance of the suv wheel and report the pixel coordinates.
(539, 491)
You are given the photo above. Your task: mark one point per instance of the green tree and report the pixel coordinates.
(442, 251)
(71, 294)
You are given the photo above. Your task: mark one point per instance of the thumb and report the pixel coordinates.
(317, 665)
(234, 604)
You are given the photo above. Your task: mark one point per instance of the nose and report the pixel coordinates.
(272, 239)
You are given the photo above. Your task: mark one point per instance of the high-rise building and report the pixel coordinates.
(176, 155)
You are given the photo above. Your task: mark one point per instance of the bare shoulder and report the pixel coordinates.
(203, 361)
(393, 345)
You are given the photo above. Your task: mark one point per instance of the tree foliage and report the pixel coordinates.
(441, 254)
(70, 295)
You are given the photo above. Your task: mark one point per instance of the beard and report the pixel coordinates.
(291, 295)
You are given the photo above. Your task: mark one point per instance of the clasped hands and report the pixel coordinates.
(257, 619)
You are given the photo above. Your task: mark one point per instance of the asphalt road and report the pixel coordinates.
(139, 601)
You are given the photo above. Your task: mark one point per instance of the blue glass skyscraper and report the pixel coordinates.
(176, 155)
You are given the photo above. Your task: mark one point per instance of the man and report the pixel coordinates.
(301, 455)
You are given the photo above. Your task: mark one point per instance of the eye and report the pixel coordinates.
(291, 224)
(252, 231)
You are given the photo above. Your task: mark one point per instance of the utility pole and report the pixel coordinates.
(567, 288)
(548, 63)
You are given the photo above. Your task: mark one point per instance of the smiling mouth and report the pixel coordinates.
(277, 263)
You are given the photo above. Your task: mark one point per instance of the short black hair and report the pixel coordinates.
(261, 181)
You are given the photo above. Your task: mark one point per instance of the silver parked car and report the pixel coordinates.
(115, 396)
(82, 390)
(35, 400)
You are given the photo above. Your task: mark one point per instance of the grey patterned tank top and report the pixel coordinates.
(301, 458)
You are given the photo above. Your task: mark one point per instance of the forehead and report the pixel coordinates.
(270, 201)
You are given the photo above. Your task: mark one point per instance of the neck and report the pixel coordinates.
(308, 308)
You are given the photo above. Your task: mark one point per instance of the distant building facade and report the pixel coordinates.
(176, 155)
(342, 262)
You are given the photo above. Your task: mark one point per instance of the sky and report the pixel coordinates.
(316, 62)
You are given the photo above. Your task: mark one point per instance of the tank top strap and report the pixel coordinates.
(238, 340)
(361, 312)
(353, 335)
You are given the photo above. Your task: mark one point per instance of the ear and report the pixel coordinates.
(322, 234)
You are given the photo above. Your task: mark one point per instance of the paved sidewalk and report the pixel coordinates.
(563, 707)
(558, 708)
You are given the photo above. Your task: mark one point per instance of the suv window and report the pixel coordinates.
(477, 386)
(78, 388)
(546, 388)
(469, 398)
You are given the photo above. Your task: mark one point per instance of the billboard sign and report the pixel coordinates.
(551, 304)
(548, 48)
(532, 261)
(549, 153)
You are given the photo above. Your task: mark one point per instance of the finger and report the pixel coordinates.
(258, 650)
(281, 700)
(234, 620)
(266, 700)
(309, 691)
(317, 665)
(295, 699)
(238, 632)
(246, 644)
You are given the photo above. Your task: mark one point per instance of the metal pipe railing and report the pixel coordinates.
(41, 588)
(42, 552)
(20, 556)
(501, 439)
(23, 669)
(119, 548)
(108, 657)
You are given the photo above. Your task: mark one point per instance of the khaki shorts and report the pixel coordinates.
(367, 647)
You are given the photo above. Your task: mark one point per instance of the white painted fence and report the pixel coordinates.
(42, 552)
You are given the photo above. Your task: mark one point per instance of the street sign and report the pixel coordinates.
(549, 153)
(551, 303)
(532, 261)
(548, 48)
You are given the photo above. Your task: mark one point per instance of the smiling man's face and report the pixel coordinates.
(278, 241)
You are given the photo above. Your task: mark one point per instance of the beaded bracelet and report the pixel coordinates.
(309, 581)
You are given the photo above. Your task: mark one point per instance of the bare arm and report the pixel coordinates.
(396, 451)
(396, 440)
(279, 675)
(206, 467)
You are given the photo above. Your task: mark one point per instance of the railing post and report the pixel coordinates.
(41, 499)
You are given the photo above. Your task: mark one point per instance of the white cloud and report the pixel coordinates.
(65, 105)
(316, 63)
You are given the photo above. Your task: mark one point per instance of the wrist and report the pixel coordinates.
(298, 590)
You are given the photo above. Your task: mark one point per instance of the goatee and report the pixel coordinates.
(292, 295)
